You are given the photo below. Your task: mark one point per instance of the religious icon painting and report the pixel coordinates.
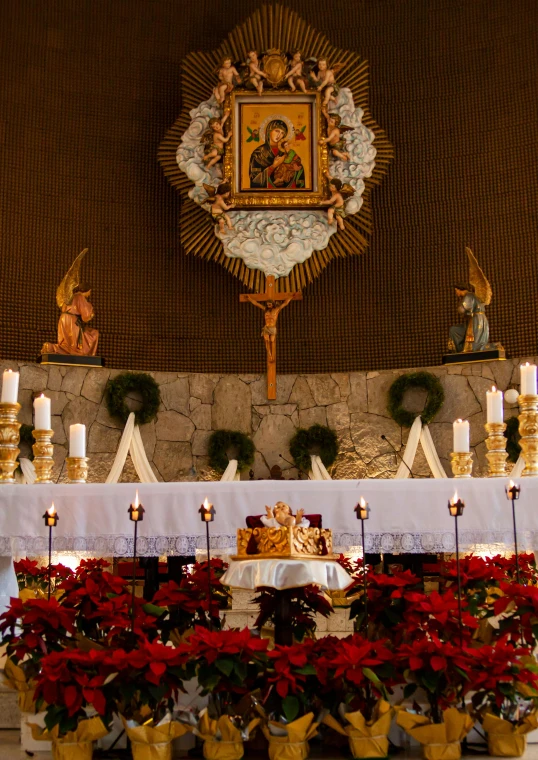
(276, 152)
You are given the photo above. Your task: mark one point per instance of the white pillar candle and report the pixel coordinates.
(495, 405)
(461, 436)
(42, 413)
(77, 441)
(528, 379)
(10, 386)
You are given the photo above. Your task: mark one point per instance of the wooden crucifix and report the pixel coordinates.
(271, 311)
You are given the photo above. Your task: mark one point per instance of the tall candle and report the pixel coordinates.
(42, 413)
(461, 436)
(77, 441)
(494, 400)
(10, 386)
(528, 379)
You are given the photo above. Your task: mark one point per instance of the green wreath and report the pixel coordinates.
(319, 440)
(512, 434)
(118, 388)
(222, 441)
(398, 389)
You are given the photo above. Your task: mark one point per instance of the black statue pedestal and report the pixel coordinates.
(63, 360)
(492, 354)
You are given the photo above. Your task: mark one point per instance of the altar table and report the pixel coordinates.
(406, 515)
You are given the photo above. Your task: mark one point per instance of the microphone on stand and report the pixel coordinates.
(398, 455)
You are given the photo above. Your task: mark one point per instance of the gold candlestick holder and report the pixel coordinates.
(9, 440)
(43, 450)
(77, 469)
(461, 463)
(528, 430)
(496, 446)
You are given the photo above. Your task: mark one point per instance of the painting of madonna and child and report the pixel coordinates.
(276, 147)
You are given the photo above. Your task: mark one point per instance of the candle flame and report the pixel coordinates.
(454, 498)
(51, 511)
(493, 389)
(511, 484)
(362, 502)
(526, 364)
(459, 420)
(206, 504)
(136, 499)
(10, 370)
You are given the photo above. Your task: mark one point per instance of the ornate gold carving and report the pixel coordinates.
(462, 464)
(9, 440)
(275, 64)
(285, 542)
(268, 28)
(77, 469)
(528, 430)
(496, 446)
(43, 451)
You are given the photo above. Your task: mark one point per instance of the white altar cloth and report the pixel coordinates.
(286, 573)
(406, 515)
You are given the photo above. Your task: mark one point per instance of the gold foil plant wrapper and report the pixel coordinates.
(440, 741)
(366, 738)
(289, 741)
(15, 678)
(74, 745)
(222, 739)
(506, 739)
(154, 741)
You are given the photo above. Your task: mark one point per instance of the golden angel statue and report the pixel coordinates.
(473, 334)
(74, 337)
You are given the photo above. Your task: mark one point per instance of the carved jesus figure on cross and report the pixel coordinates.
(271, 311)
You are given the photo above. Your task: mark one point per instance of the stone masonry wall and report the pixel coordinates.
(193, 405)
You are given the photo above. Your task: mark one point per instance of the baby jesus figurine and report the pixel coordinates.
(281, 515)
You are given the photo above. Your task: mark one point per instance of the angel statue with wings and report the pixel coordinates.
(74, 337)
(473, 334)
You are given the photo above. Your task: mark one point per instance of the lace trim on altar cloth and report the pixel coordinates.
(431, 542)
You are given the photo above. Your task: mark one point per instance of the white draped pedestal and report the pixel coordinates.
(282, 574)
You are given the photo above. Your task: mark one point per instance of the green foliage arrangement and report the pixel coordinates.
(401, 385)
(512, 434)
(127, 382)
(222, 441)
(319, 440)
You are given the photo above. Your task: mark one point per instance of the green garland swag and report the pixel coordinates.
(512, 434)
(118, 388)
(397, 391)
(319, 440)
(221, 441)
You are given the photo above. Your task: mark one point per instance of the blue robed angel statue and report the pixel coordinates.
(473, 334)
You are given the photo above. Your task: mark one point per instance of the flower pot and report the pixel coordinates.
(223, 740)
(366, 738)
(439, 741)
(72, 751)
(75, 745)
(153, 742)
(506, 739)
(290, 741)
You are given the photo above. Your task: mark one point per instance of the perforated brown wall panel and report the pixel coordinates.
(90, 88)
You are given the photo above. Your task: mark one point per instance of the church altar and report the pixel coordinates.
(409, 516)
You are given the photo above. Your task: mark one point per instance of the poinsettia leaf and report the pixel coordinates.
(241, 670)
(225, 666)
(430, 682)
(409, 689)
(290, 708)
(153, 609)
(371, 675)
(307, 670)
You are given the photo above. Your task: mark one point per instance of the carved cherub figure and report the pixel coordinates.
(214, 140)
(325, 80)
(228, 78)
(218, 197)
(255, 74)
(334, 138)
(281, 514)
(340, 192)
(295, 77)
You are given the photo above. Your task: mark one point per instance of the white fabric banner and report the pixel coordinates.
(230, 473)
(318, 470)
(131, 442)
(420, 434)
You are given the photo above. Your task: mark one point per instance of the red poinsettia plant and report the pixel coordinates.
(35, 577)
(516, 611)
(302, 604)
(289, 686)
(436, 614)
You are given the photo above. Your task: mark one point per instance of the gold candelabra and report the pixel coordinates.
(496, 446)
(461, 463)
(77, 469)
(9, 440)
(43, 451)
(528, 430)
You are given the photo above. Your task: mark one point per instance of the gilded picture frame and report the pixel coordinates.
(297, 123)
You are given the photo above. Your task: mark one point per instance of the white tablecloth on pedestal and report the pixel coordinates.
(406, 515)
(286, 573)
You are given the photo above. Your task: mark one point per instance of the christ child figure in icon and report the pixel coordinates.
(218, 198)
(335, 139)
(295, 76)
(255, 74)
(271, 312)
(339, 194)
(228, 78)
(327, 82)
(214, 140)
